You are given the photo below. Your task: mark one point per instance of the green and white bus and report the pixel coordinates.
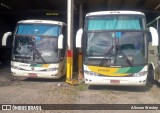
(39, 49)
(118, 48)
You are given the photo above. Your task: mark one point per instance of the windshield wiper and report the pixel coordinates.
(24, 57)
(105, 59)
(39, 55)
(36, 52)
(118, 49)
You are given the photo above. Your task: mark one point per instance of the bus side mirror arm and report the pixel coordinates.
(79, 38)
(154, 36)
(60, 41)
(5, 37)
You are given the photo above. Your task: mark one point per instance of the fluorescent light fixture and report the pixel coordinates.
(6, 6)
(158, 6)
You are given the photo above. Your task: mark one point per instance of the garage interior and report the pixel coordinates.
(12, 11)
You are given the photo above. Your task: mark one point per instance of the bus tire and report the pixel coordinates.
(150, 77)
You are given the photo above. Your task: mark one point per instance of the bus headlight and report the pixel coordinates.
(16, 67)
(143, 73)
(91, 73)
(52, 69)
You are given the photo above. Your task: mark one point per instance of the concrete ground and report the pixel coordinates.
(42, 91)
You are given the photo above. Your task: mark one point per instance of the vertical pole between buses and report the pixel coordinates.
(70, 13)
(80, 26)
(80, 76)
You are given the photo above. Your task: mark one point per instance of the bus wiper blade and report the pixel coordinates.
(105, 56)
(108, 60)
(23, 57)
(38, 53)
(125, 56)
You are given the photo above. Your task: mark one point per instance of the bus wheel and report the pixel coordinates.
(150, 77)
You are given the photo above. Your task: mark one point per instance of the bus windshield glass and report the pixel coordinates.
(38, 29)
(36, 43)
(116, 22)
(36, 49)
(115, 40)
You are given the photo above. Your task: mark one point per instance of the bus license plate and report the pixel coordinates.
(32, 75)
(114, 81)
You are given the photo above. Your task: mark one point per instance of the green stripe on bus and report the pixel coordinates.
(135, 69)
(36, 65)
(123, 70)
(129, 70)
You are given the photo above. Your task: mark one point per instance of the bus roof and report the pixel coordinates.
(114, 12)
(42, 21)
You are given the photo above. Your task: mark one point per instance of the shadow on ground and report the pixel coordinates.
(62, 79)
(121, 88)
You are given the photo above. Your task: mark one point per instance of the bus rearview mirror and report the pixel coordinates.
(5, 37)
(79, 38)
(60, 41)
(154, 36)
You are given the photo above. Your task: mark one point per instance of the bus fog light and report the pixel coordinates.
(55, 75)
(143, 73)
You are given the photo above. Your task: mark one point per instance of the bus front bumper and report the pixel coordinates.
(36, 74)
(116, 81)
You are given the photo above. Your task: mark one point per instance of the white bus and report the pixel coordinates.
(156, 24)
(117, 49)
(39, 49)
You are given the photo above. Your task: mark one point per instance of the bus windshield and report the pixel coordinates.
(115, 48)
(36, 49)
(36, 43)
(116, 22)
(115, 40)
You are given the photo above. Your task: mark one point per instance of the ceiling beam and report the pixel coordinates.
(140, 3)
(122, 4)
(108, 4)
(34, 11)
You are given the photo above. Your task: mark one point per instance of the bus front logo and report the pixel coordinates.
(104, 70)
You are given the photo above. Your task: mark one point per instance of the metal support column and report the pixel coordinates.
(81, 14)
(80, 26)
(70, 13)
